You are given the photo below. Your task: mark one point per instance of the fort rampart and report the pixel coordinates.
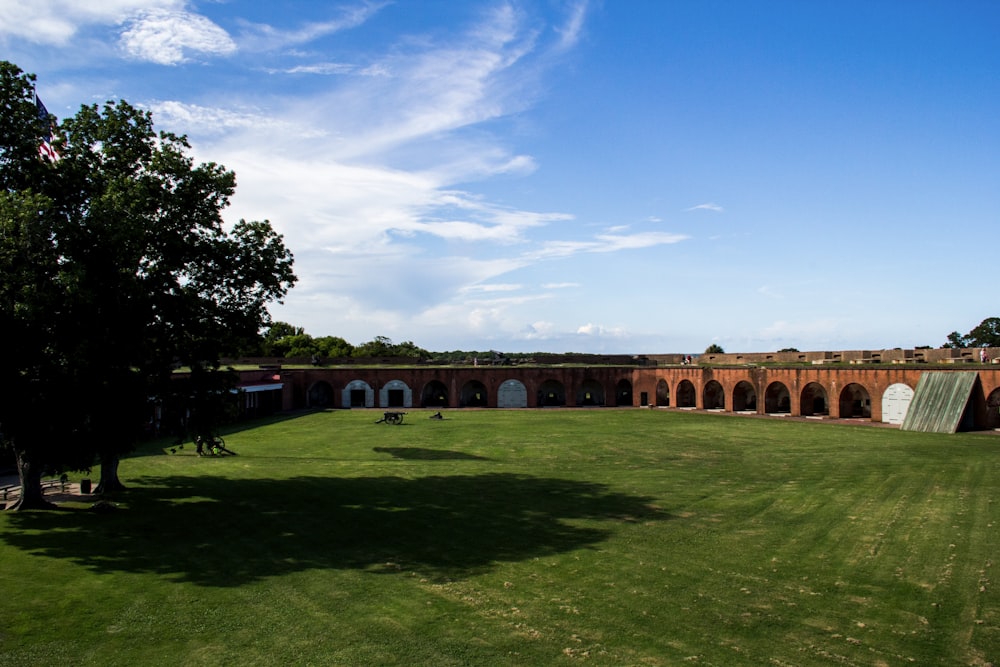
(867, 389)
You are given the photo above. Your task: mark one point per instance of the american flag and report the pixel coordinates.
(45, 148)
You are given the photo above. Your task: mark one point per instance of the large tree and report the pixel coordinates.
(146, 274)
(986, 334)
(35, 370)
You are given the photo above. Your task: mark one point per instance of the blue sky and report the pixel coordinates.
(623, 176)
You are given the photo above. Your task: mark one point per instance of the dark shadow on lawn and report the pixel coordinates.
(424, 454)
(158, 444)
(223, 532)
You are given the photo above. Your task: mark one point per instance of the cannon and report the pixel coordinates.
(391, 418)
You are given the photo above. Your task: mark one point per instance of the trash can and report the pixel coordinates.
(85, 486)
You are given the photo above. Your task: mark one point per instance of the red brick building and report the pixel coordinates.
(827, 388)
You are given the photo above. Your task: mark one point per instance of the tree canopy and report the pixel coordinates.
(116, 267)
(986, 334)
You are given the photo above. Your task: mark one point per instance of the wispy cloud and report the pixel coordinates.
(495, 287)
(570, 31)
(770, 292)
(706, 207)
(208, 121)
(383, 156)
(263, 37)
(790, 332)
(604, 243)
(330, 69)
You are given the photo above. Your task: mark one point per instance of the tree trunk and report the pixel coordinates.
(109, 483)
(30, 476)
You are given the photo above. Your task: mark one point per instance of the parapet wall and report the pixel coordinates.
(894, 356)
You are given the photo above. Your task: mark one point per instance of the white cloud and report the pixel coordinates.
(540, 330)
(486, 317)
(706, 207)
(560, 285)
(57, 21)
(597, 330)
(166, 37)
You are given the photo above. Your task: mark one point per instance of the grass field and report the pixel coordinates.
(531, 537)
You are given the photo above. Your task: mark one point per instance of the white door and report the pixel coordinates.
(896, 403)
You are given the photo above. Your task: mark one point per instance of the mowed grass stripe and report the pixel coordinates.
(522, 537)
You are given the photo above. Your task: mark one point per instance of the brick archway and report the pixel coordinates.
(713, 396)
(855, 402)
(551, 393)
(662, 393)
(814, 400)
(744, 397)
(686, 394)
(435, 395)
(473, 395)
(777, 399)
(993, 409)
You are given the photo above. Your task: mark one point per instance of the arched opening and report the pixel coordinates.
(744, 397)
(813, 400)
(896, 403)
(473, 394)
(777, 400)
(590, 393)
(686, 394)
(714, 396)
(396, 394)
(435, 395)
(623, 393)
(358, 394)
(993, 409)
(512, 394)
(662, 393)
(320, 395)
(855, 402)
(551, 393)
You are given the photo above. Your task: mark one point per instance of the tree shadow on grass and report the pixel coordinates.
(224, 532)
(425, 454)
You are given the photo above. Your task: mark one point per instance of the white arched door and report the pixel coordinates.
(896, 403)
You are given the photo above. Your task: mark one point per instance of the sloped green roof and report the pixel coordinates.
(940, 401)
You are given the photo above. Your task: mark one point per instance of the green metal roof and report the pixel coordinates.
(940, 402)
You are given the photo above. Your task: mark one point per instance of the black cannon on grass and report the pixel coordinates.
(395, 418)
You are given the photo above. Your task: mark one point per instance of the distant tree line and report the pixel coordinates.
(286, 341)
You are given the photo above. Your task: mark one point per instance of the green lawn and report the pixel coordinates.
(531, 537)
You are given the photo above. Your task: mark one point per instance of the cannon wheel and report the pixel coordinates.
(391, 418)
